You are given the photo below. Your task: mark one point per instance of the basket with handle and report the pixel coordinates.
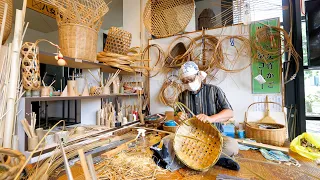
(8, 23)
(276, 137)
(197, 144)
(11, 162)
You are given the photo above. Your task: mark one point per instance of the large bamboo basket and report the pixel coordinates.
(78, 41)
(11, 162)
(163, 18)
(8, 25)
(276, 137)
(198, 145)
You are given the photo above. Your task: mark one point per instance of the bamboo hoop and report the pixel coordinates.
(8, 21)
(167, 99)
(163, 18)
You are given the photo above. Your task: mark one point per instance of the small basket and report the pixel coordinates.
(78, 41)
(198, 145)
(170, 128)
(13, 162)
(8, 25)
(276, 137)
(118, 41)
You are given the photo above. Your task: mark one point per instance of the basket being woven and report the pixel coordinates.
(78, 41)
(118, 41)
(8, 25)
(198, 145)
(11, 162)
(163, 18)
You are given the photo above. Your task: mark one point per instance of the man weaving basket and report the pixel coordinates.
(209, 104)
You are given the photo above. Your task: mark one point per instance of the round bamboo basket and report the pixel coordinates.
(163, 18)
(11, 162)
(78, 41)
(197, 144)
(8, 25)
(118, 41)
(276, 137)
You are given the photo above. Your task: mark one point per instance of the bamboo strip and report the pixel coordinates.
(84, 165)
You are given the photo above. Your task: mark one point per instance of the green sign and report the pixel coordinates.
(269, 70)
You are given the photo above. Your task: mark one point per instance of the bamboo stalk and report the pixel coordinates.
(12, 86)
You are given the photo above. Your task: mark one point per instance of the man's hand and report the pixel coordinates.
(182, 116)
(203, 118)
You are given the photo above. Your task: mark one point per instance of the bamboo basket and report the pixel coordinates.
(163, 18)
(30, 66)
(170, 128)
(11, 162)
(276, 137)
(8, 25)
(197, 144)
(118, 41)
(78, 41)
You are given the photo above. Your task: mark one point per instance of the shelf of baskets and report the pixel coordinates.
(48, 58)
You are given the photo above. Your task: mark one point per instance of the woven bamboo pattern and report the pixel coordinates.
(11, 162)
(78, 41)
(118, 41)
(30, 66)
(276, 137)
(197, 144)
(170, 128)
(163, 18)
(8, 25)
(84, 12)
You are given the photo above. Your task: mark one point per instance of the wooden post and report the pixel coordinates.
(13, 80)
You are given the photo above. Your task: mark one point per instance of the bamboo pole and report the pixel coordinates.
(84, 164)
(13, 81)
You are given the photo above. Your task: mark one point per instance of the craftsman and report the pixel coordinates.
(210, 104)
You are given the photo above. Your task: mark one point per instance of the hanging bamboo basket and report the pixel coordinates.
(78, 41)
(30, 66)
(8, 25)
(276, 137)
(197, 144)
(11, 162)
(163, 18)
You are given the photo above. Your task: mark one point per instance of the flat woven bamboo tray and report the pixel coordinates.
(276, 137)
(198, 145)
(8, 25)
(78, 41)
(118, 41)
(11, 162)
(163, 18)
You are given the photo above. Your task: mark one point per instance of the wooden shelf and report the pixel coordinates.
(59, 98)
(48, 58)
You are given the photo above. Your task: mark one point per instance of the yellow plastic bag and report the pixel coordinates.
(295, 146)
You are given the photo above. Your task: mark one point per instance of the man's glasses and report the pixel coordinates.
(188, 80)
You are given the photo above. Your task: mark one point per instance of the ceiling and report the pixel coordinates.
(46, 24)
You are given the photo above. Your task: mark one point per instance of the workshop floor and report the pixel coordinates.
(253, 166)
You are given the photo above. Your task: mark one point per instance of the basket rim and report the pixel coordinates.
(214, 162)
(74, 24)
(247, 125)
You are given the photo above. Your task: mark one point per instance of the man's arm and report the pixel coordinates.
(224, 108)
(222, 116)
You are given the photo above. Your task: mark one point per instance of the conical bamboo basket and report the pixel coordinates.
(8, 25)
(197, 144)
